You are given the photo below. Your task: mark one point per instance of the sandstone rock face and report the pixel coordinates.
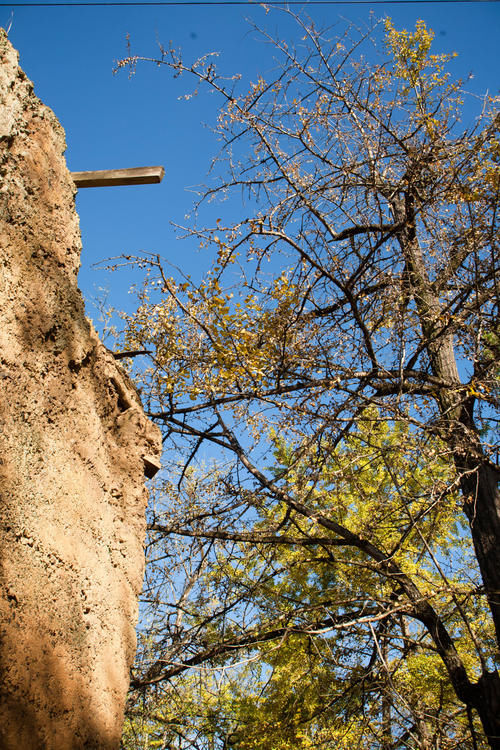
(73, 438)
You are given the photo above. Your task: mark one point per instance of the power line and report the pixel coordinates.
(207, 3)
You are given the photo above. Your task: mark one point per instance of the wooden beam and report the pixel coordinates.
(152, 466)
(108, 177)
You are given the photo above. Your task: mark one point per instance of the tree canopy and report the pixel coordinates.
(324, 547)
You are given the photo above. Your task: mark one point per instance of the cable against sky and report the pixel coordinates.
(206, 3)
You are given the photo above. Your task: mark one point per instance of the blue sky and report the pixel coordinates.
(112, 121)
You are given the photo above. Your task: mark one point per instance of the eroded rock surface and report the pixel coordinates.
(72, 443)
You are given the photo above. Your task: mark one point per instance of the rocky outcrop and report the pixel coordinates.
(74, 446)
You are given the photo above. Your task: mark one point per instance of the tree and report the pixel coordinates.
(341, 356)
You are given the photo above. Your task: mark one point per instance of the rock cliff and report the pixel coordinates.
(73, 442)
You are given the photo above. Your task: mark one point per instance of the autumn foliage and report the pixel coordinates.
(324, 550)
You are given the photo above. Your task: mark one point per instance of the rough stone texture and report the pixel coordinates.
(72, 442)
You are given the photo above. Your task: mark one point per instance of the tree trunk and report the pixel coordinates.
(478, 481)
(489, 707)
(386, 743)
(482, 508)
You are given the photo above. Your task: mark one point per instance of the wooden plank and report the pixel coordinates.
(109, 177)
(152, 466)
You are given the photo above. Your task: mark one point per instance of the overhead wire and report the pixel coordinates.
(207, 3)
